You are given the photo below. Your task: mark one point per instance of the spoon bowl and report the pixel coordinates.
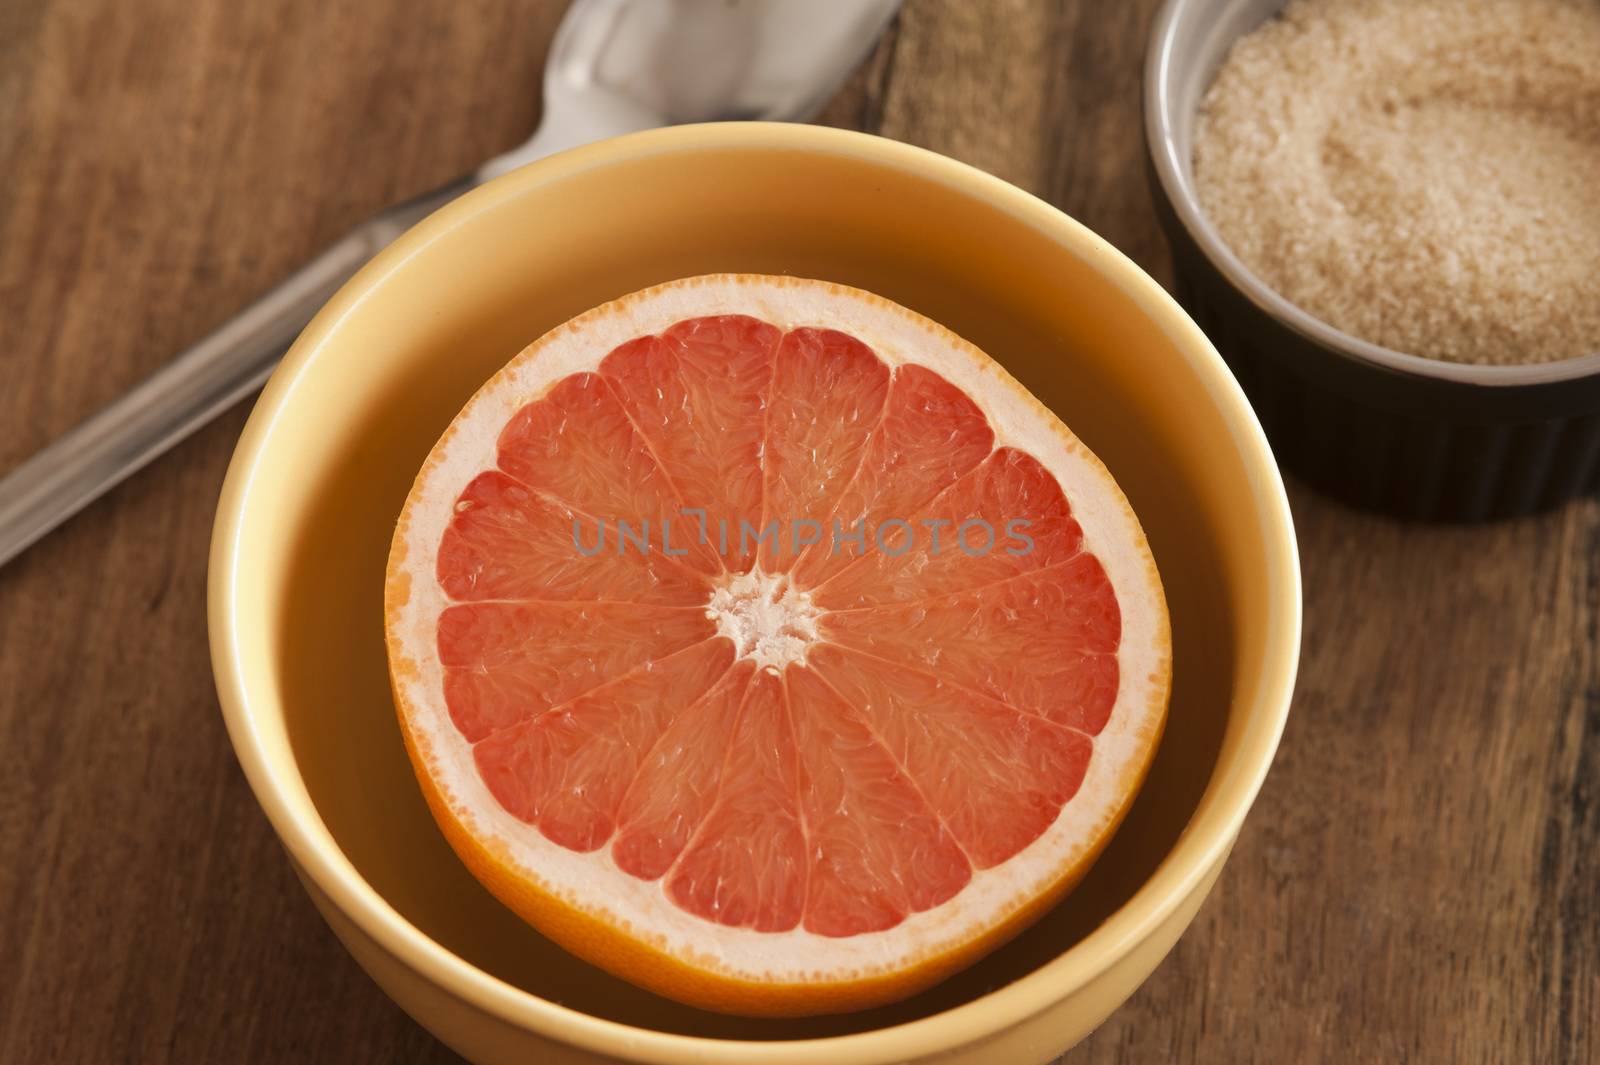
(616, 66)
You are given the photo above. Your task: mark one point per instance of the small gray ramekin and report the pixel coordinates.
(1379, 428)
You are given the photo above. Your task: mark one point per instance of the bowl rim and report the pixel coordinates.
(1176, 180)
(280, 790)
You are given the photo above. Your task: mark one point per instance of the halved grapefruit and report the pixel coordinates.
(766, 644)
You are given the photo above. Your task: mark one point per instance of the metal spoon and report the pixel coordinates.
(615, 66)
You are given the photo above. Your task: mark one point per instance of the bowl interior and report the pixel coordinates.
(347, 423)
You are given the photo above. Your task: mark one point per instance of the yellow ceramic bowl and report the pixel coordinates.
(297, 567)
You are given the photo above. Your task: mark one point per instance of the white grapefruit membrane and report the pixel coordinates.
(768, 622)
(755, 624)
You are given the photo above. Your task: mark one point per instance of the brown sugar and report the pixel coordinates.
(1422, 174)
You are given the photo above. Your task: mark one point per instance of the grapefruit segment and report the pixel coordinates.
(697, 393)
(1044, 642)
(828, 392)
(996, 776)
(745, 867)
(578, 445)
(506, 541)
(878, 852)
(1007, 517)
(678, 781)
(506, 662)
(566, 770)
(930, 434)
(764, 643)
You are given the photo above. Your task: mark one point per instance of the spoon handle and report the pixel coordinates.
(202, 381)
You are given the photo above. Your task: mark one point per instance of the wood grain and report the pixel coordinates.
(1420, 880)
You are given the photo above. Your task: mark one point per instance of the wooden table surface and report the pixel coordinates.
(1420, 880)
